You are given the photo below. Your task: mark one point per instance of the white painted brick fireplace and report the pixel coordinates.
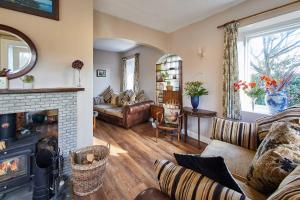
(65, 102)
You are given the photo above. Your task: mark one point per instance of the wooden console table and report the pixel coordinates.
(199, 113)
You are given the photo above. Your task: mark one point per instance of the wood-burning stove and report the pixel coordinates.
(15, 164)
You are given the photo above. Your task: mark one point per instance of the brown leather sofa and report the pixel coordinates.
(126, 116)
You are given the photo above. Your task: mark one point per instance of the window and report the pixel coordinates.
(130, 67)
(273, 52)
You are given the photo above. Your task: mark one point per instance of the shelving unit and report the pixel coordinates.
(169, 81)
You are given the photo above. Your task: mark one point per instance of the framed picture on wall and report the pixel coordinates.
(42, 8)
(101, 73)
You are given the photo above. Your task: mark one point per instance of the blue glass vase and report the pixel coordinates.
(195, 102)
(276, 102)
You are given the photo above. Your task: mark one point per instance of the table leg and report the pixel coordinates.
(185, 127)
(199, 131)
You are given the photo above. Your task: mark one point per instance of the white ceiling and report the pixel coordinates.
(163, 15)
(114, 45)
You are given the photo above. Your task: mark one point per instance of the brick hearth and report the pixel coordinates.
(65, 102)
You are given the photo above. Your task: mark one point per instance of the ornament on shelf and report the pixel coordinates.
(3, 78)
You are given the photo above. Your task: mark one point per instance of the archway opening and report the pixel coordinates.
(169, 80)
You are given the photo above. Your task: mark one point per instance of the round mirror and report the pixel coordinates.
(17, 52)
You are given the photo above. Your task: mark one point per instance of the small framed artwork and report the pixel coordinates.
(42, 8)
(101, 73)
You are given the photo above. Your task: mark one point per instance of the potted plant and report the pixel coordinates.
(28, 81)
(3, 78)
(195, 89)
(251, 89)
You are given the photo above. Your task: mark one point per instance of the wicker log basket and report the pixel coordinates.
(88, 178)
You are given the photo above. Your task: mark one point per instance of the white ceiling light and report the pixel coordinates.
(163, 15)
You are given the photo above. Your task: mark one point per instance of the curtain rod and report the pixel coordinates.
(260, 13)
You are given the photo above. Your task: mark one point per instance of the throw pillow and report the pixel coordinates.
(98, 100)
(114, 99)
(185, 184)
(289, 188)
(211, 167)
(239, 133)
(276, 157)
(123, 98)
(171, 114)
(108, 95)
(264, 123)
(140, 96)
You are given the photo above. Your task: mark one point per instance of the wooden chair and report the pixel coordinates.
(163, 126)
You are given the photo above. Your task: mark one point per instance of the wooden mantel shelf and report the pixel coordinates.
(40, 90)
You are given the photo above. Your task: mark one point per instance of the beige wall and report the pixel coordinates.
(204, 34)
(112, 62)
(58, 44)
(107, 26)
(148, 58)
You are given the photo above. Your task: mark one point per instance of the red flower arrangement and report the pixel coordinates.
(251, 88)
(266, 84)
(272, 85)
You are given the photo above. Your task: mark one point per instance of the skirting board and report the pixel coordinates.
(194, 135)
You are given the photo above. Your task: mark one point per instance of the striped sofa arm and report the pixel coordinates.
(243, 134)
(184, 184)
(265, 123)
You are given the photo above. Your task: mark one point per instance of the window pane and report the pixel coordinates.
(275, 54)
(130, 66)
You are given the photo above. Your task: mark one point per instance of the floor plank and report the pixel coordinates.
(133, 152)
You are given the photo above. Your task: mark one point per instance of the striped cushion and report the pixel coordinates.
(289, 189)
(265, 123)
(184, 184)
(239, 133)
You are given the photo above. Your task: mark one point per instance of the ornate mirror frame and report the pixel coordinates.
(33, 50)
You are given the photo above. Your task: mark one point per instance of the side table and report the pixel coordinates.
(199, 113)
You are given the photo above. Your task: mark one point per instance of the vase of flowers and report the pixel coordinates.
(77, 66)
(251, 89)
(195, 89)
(276, 98)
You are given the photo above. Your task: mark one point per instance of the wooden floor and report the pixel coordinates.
(133, 152)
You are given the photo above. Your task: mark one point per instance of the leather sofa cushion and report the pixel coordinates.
(114, 112)
(151, 194)
(237, 159)
(102, 107)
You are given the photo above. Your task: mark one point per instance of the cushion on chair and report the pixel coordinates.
(184, 184)
(237, 159)
(211, 167)
(289, 188)
(239, 133)
(265, 123)
(276, 157)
